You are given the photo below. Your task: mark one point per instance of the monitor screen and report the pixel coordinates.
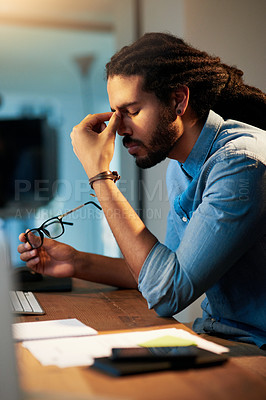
(28, 165)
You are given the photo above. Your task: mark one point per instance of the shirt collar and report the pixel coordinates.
(201, 148)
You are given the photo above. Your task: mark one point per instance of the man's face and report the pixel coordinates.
(147, 125)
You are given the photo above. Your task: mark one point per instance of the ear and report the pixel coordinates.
(179, 99)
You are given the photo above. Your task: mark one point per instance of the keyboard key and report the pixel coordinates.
(33, 301)
(24, 303)
(23, 300)
(15, 301)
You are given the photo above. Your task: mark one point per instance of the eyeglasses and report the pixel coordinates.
(53, 228)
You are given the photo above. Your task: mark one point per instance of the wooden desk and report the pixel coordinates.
(107, 309)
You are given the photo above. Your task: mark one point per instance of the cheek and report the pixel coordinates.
(146, 122)
(142, 131)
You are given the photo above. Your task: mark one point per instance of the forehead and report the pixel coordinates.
(124, 90)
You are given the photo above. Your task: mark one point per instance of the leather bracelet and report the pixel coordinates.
(113, 175)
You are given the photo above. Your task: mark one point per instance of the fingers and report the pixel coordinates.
(95, 121)
(95, 124)
(33, 262)
(114, 122)
(27, 254)
(93, 141)
(22, 237)
(24, 246)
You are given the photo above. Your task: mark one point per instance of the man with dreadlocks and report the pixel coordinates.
(171, 100)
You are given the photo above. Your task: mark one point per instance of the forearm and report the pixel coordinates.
(102, 269)
(134, 239)
(93, 143)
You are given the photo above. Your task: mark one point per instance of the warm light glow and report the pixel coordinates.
(48, 12)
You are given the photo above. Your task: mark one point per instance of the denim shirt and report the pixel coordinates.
(216, 234)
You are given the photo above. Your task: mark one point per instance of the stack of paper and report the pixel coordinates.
(58, 349)
(51, 329)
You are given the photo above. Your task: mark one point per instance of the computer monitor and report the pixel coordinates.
(28, 181)
(9, 386)
(28, 165)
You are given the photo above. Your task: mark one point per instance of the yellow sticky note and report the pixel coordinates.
(168, 341)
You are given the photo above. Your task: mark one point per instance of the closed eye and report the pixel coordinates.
(133, 114)
(127, 112)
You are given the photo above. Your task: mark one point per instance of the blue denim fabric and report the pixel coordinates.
(216, 234)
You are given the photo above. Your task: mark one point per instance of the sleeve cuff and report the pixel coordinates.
(156, 275)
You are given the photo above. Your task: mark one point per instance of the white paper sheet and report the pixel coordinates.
(80, 351)
(51, 329)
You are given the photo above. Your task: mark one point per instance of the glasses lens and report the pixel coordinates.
(53, 228)
(34, 239)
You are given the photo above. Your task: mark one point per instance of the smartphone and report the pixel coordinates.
(152, 353)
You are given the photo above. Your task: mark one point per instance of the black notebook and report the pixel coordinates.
(128, 366)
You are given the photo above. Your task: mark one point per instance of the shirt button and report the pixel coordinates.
(184, 219)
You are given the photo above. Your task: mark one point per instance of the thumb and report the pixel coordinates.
(49, 244)
(22, 237)
(114, 122)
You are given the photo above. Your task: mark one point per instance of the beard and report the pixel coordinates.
(162, 141)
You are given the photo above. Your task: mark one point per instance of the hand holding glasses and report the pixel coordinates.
(52, 227)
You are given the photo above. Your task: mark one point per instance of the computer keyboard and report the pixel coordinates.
(24, 303)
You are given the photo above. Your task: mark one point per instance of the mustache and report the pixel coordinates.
(127, 141)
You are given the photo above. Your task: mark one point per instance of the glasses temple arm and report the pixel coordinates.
(77, 208)
(95, 204)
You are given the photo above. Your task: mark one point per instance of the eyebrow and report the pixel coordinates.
(126, 105)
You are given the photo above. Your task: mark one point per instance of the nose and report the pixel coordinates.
(123, 128)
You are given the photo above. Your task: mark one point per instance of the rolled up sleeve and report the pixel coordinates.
(157, 274)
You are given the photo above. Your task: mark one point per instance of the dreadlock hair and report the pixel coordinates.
(166, 62)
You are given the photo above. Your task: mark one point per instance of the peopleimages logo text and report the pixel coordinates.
(64, 190)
